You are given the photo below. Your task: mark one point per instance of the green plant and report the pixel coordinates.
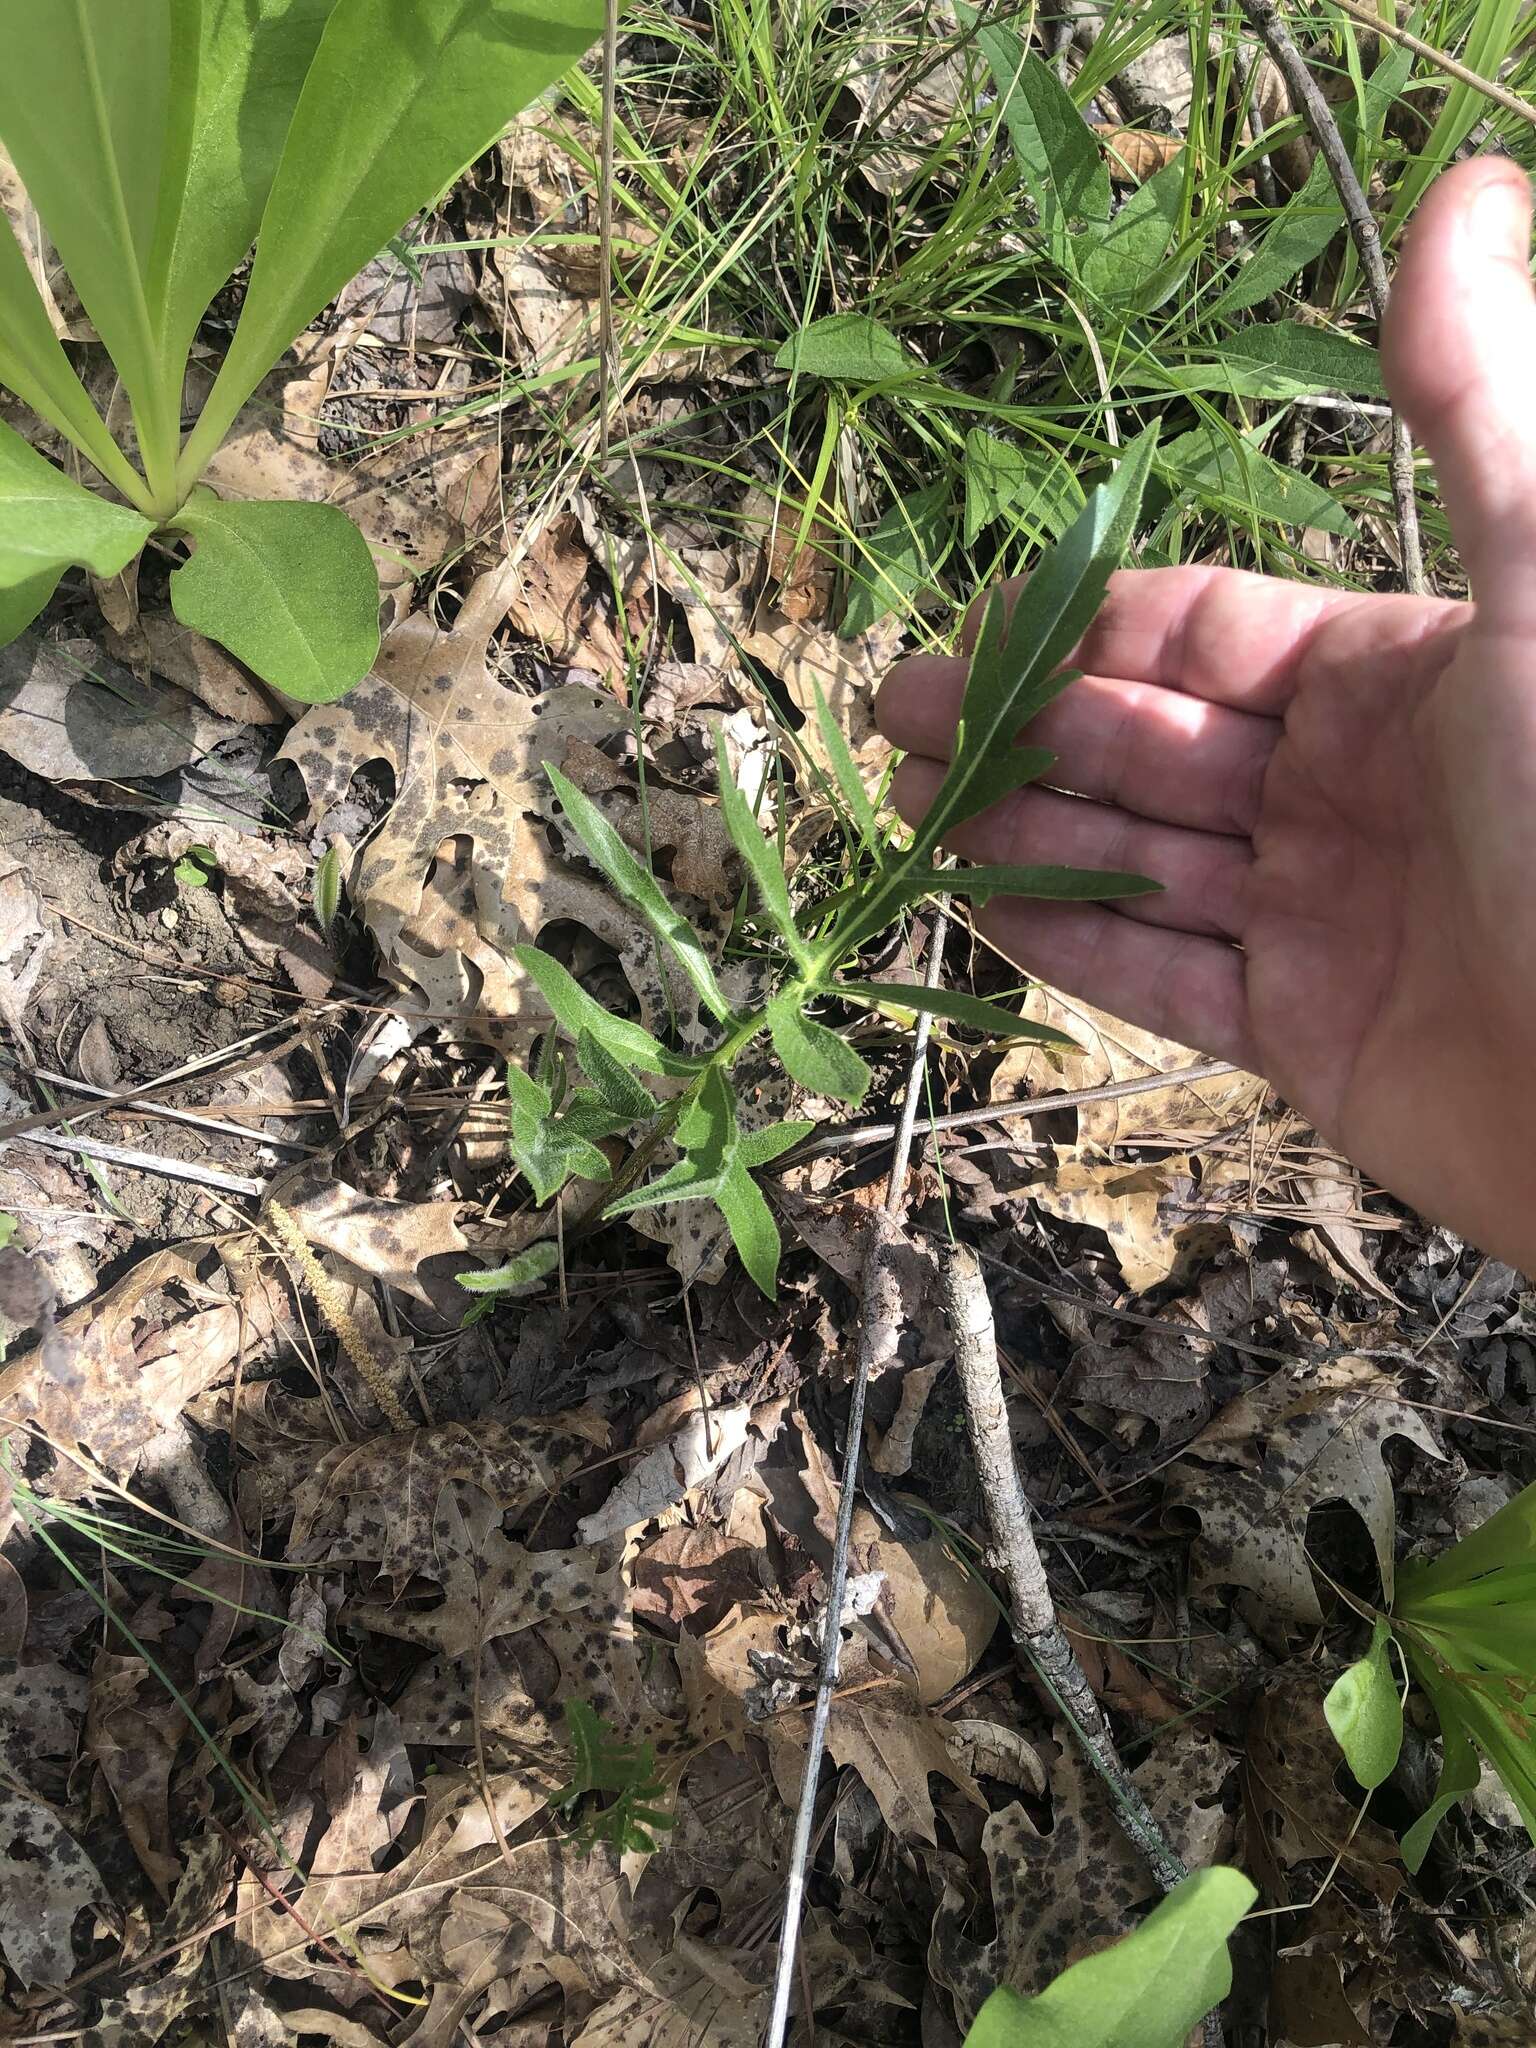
(1014, 672)
(600, 1765)
(1464, 1626)
(1146, 1991)
(159, 140)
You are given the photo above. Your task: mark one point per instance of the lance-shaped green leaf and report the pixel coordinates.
(753, 1231)
(640, 890)
(289, 588)
(845, 770)
(1365, 1711)
(1016, 668)
(399, 98)
(1506, 1538)
(33, 365)
(1150, 1989)
(814, 1056)
(1460, 1769)
(576, 1011)
(762, 861)
(908, 999)
(86, 113)
(48, 522)
(1044, 884)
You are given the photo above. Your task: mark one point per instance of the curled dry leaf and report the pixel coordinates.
(669, 1472)
(46, 1882)
(1281, 1451)
(1136, 154)
(132, 1732)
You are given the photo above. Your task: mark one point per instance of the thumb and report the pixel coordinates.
(1459, 351)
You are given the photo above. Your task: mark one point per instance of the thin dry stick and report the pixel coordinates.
(606, 348)
(1500, 95)
(1266, 20)
(1032, 1611)
(879, 1334)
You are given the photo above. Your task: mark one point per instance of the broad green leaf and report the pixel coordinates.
(237, 73)
(753, 1231)
(848, 348)
(1150, 1989)
(1119, 258)
(1284, 359)
(33, 365)
(1365, 1711)
(900, 557)
(761, 1148)
(48, 521)
(630, 1043)
(399, 98)
(640, 890)
(762, 860)
(1506, 1538)
(289, 588)
(85, 111)
(1015, 669)
(814, 1056)
(1032, 485)
(1230, 475)
(20, 603)
(613, 1081)
(845, 770)
(708, 1130)
(526, 1270)
(974, 1012)
(1063, 165)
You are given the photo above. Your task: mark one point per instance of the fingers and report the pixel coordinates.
(1148, 750)
(1204, 875)
(1458, 350)
(1178, 986)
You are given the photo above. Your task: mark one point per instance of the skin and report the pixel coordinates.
(1338, 791)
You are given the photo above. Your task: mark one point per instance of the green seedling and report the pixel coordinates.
(1015, 672)
(1464, 1626)
(159, 140)
(613, 1793)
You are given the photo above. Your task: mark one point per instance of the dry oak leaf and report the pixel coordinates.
(699, 1996)
(1293, 1809)
(70, 714)
(42, 1705)
(46, 1882)
(381, 1502)
(1112, 1051)
(1299, 1440)
(373, 1238)
(894, 1743)
(106, 1383)
(1139, 1210)
(1058, 1897)
(132, 1732)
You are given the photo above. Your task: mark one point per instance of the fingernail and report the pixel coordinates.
(1500, 217)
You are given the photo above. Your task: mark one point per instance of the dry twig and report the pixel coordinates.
(1268, 23)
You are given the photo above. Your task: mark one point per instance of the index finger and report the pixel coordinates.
(1228, 635)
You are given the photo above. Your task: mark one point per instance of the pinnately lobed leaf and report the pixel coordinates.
(289, 588)
(1148, 1990)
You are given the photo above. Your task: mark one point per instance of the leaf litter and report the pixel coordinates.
(285, 1690)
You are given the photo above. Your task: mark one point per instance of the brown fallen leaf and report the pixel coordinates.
(71, 714)
(1255, 1473)
(46, 1882)
(132, 1732)
(1136, 154)
(1139, 1209)
(699, 1996)
(1294, 1811)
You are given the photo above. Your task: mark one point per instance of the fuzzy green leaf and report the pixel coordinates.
(525, 1271)
(48, 521)
(401, 95)
(289, 588)
(814, 1056)
(900, 557)
(327, 887)
(640, 890)
(1058, 152)
(761, 1148)
(753, 1231)
(848, 348)
(548, 1149)
(974, 1012)
(1150, 1989)
(615, 1085)
(1365, 1711)
(762, 860)
(1016, 668)
(630, 1043)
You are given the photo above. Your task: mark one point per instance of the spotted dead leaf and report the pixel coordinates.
(118, 1371)
(132, 1732)
(702, 1995)
(42, 1706)
(1142, 1210)
(379, 1502)
(1257, 1471)
(1293, 1809)
(895, 1743)
(1060, 1896)
(46, 1883)
(1112, 1051)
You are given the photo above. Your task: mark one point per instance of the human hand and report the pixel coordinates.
(1337, 791)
